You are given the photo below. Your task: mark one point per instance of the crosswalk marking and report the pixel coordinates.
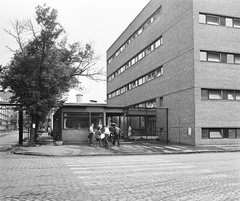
(91, 167)
(174, 148)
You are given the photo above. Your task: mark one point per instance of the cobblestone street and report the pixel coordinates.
(209, 176)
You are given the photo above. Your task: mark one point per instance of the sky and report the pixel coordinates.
(98, 21)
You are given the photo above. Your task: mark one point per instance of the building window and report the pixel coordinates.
(74, 120)
(230, 58)
(215, 94)
(149, 21)
(213, 20)
(203, 56)
(220, 57)
(202, 18)
(218, 94)
(214, 57)
(219, 20)
(134, 60)
(237, 95)
(161, 102)
(230, 95)
(216, 133)
(237, 59)
(236, 23)
(229, 22)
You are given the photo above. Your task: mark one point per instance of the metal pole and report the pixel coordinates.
(20, 123)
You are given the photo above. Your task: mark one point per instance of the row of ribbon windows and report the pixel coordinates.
(231, 58)
(219, 20)
(137, 58)
(146, 78)
(149, 21)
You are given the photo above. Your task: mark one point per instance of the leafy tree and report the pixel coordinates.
(45, 66)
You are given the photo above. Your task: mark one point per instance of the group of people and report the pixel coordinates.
(105, 135)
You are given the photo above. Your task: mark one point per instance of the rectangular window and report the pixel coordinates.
(203, 56)
(229, 22)
(237, 58)
(76, 120)
(140, 30)
(225, 133)
(238, 133)
(222, 21)
(237, 94)
(236, 23)
(213, 20)
(204, 94)
(133, 61)
(205, 133)
(215, 94)
(161, 102)
(140, 82)
(230, 95)
(157, 43)
(202, 18)
(215, 133)
(230, 58)
(140, 56)
(129, 86)
(223, 57)
(232, 133)
(214, 57)
(159, 72)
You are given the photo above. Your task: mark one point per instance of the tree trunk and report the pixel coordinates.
(33, 131)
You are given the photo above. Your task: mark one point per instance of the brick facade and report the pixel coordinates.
(183, 73)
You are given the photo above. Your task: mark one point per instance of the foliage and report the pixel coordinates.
(45, 66)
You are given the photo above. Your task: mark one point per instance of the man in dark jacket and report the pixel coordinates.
(117, 132)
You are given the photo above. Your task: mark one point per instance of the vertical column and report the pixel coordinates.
(20, 125)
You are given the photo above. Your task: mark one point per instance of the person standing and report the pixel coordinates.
(117, 132)
(129, 133)
(98, 136)
(107, 135)
(91, 134)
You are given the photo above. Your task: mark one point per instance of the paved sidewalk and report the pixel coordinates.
(126, 148)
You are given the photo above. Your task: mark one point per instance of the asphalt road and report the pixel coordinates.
(187, 177)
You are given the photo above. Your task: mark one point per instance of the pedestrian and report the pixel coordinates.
(129, 133)
(117, 133)
(98, 136)
(49, 130)
(107, 135)
(91, 134)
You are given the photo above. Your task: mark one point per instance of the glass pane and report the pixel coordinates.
(204, 94)
(237, 59)
(236, 23)
(212, 20)
(238, 133)
(230, 95)
(135, 122)
(202, 18)
(229, 22)
(157, 43)
(230, 58)
(237, 95)
(215, 57)
(215, 133)
(215, 94)
(204, 133)
(203, 56)
(232, 133)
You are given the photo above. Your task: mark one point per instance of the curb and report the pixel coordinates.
(122, 153)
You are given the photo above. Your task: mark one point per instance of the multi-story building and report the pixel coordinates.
(182, 56)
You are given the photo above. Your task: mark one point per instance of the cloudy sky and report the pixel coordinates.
(100, 21)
